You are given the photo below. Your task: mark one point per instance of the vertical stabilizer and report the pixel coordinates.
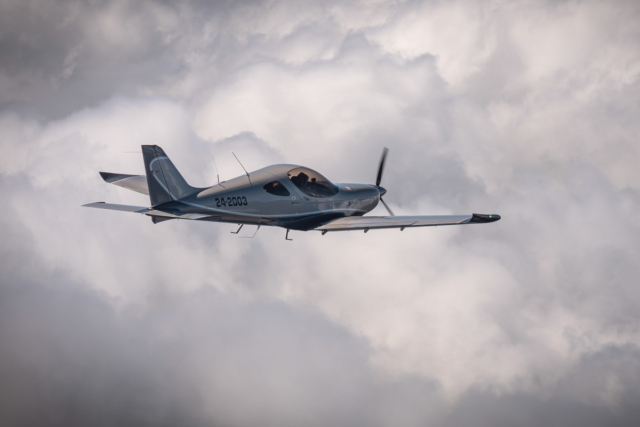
(164, 181)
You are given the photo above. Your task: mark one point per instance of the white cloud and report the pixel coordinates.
(523, 109)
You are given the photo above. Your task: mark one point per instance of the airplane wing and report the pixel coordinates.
(367, 223)
(137, 183)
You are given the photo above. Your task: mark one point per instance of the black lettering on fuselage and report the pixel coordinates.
(231, 201)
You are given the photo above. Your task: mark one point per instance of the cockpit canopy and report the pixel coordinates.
(312, 183)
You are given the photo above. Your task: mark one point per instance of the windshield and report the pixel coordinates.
(312, 183)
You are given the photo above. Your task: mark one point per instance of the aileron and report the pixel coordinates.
(380, 222)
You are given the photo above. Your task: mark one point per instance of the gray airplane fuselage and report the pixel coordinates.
(244, 200)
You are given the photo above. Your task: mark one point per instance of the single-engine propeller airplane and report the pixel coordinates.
(287, 196)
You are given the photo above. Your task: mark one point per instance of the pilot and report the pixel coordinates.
(301, 180)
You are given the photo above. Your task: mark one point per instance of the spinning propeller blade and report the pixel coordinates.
(386, 206)
(385, 150)
(383, 191)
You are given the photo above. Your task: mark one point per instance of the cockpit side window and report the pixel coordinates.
(312, 183)
(276, 189)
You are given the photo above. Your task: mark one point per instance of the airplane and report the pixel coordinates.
(288, 196)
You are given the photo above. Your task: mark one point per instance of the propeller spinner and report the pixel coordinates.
(382, 190)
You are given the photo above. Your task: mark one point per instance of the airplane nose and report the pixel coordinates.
(382, 191)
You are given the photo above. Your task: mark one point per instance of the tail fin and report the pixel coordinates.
(164, 181)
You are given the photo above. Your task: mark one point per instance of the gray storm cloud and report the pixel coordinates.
(526, 109)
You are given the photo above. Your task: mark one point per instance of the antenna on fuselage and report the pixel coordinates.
(245, 171)
(217, 171)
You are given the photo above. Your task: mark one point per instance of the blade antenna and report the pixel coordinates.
(217, 170)
(216, 166)
(245, 171)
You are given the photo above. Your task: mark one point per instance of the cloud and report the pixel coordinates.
(526, 109)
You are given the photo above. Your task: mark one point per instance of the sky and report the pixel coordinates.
(527, 109)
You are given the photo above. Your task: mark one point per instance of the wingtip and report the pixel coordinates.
(113, 177)
(483, 218)
(107, 176)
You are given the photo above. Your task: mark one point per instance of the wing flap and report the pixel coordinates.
(380, 222)
(137, 183)
(169, 215)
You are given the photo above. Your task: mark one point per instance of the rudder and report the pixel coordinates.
(164, 181)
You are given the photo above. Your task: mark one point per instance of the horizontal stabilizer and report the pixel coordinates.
(113, 207)
(137, 183)
(146, 211)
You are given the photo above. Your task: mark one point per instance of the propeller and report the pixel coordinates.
(382, 190)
